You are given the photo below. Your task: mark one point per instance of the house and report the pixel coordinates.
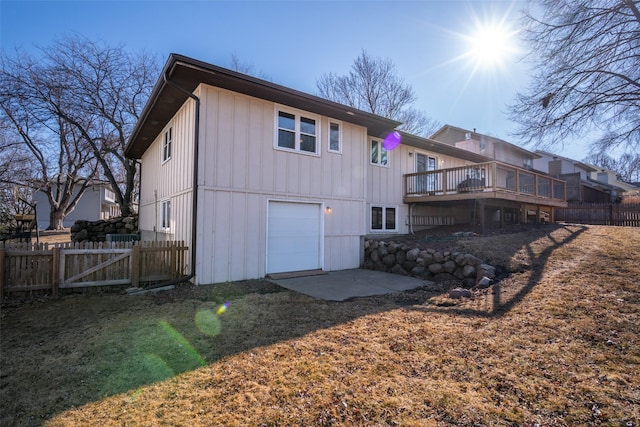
(489, 146)
(505, 187)
(577, 175)
(259, 179)
(98, 202)
(620, 189)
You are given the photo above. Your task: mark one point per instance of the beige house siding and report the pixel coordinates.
(240, 171)
(171, 180)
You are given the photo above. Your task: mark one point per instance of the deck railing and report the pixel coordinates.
(484, 177)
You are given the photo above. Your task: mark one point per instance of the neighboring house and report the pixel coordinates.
(511, 189)
(621, 189)
(489, 146)
(98, 202)
(580, 186)
(287, 181)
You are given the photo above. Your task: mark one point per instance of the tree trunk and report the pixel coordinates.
(56, 219)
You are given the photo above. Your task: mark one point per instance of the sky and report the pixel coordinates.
(432, 43)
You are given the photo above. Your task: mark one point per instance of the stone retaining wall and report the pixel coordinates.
(96, 231)
(407, 259)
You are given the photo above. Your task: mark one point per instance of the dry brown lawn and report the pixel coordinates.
(555, 343)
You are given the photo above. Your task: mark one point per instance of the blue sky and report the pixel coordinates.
(294, 42)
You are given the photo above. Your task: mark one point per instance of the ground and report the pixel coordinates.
(553, 343)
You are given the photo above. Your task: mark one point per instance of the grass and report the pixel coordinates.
(553, 343)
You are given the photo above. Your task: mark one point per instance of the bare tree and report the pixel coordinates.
(626, 167)
(586, 83)
(373, 85)
(62, 157)
(102, 92)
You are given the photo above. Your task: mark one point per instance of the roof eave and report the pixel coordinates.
(189, 73)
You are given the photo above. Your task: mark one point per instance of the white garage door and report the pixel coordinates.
(294, 237)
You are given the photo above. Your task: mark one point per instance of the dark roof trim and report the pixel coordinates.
(442, 148)
(188, 73)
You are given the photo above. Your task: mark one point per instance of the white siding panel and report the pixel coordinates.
(224, 141)
(240, 142)
(255, 146)
(221, 236)
(238, 249)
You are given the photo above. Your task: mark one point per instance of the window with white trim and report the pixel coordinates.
(166, 144)
(335, 137)
(165, 219)
(379, 154)
(297, 131)
(384, 218)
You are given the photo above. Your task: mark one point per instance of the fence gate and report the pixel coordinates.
(81, 268)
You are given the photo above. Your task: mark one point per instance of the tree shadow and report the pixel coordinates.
(501, 303)
(65, 353)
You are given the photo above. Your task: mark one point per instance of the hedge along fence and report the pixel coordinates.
(27, 267)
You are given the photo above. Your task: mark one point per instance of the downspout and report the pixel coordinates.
(194, 217)
(196, 144)
(411, 205)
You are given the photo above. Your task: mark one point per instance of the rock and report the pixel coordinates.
(389, 260)
(401, 256)
(418, 270)
(472, 260)
(484, 283)
(436, 268)
(449, 266)
(460, 260)
(393, 248)
(397, 269)
(81, 235)
(375, 256)
(412, 255)
(383, 250)
(379, 266)
(457, 293)
(408, 265)
(438, 257)
(468, 271)
(487, 270)
(427, 257)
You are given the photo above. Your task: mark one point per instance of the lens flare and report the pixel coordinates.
(208, 322)
(222, 309)
(392, 141)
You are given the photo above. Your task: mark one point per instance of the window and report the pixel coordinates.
(379, 154)
(526, 162)
(165, 221)
(297, 132)
(335, 137)
(166, 144)
(383, 218)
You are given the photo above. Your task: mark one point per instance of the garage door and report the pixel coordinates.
(294, 237)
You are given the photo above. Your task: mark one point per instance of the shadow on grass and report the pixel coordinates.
(503, 303)
(66, 353)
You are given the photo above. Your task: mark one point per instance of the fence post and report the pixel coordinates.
(2, 270)
(135, 266)
(173, 259)
(55, 273)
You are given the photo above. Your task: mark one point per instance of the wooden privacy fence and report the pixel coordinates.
(31, 267)
(627, 214)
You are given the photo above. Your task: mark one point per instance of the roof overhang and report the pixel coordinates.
(188, 73)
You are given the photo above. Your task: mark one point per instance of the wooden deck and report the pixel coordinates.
(491, 180)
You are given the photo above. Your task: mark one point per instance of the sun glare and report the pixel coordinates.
(491, 45)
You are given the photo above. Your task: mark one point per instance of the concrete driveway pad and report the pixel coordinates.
(346, 284)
